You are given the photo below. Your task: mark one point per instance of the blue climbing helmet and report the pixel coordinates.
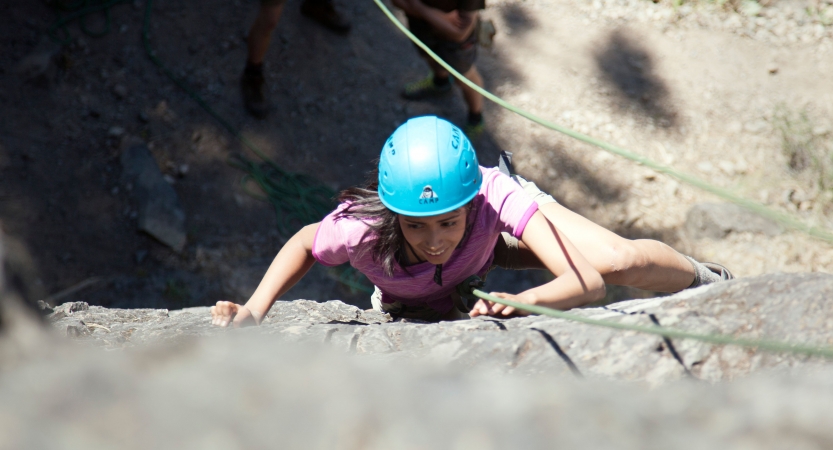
(427, 167)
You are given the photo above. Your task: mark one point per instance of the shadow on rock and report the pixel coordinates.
(627, 66)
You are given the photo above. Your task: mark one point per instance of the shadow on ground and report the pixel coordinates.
(628, 68)
(517, 19)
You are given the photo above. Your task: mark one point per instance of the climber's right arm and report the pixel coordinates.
(292, 263)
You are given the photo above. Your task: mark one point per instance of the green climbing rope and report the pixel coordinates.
(762, 210)
(760, 344)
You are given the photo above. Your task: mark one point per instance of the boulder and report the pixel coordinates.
(160, 211)
(716, 220)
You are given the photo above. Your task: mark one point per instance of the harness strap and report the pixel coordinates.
(504, 163)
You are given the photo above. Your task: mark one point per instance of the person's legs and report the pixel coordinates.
(461, 57)
(436, 84)
(253, 83)
(473, 99)
(260, 34)
(642, 263)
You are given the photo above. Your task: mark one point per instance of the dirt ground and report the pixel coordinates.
(707, 90)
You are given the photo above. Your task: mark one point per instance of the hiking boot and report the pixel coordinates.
(254, 96)
(720, 270)
(324, 13)
(425, 88)
(474, 130)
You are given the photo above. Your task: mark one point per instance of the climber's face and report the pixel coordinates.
(433, 238)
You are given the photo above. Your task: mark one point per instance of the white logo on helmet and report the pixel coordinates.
(428, 196)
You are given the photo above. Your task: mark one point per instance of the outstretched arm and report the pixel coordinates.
(292, 263)
(577, 282)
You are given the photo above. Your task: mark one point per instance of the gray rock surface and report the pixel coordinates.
(160, 211)
(782, 307)
(177, 382)
(716, 220)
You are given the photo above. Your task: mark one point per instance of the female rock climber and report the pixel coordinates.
(434, 217)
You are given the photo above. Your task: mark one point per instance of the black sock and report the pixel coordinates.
(441, 81)
(475, 118)
(254, 69)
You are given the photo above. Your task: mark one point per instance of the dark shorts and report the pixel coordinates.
(459, 55)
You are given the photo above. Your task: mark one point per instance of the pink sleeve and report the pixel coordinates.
(329, 247)
(513, 206)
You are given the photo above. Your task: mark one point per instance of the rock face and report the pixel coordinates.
(529, 382)
(781, 307)
(716, 220)
(160, 212)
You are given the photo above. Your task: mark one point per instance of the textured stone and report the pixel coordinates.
(781, 307)
(250, 390)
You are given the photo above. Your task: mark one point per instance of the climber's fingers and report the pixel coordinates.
(223, 312)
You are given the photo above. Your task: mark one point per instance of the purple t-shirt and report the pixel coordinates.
(501, 205)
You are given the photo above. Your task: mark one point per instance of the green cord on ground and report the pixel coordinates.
(780, 217)
(760, 344)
